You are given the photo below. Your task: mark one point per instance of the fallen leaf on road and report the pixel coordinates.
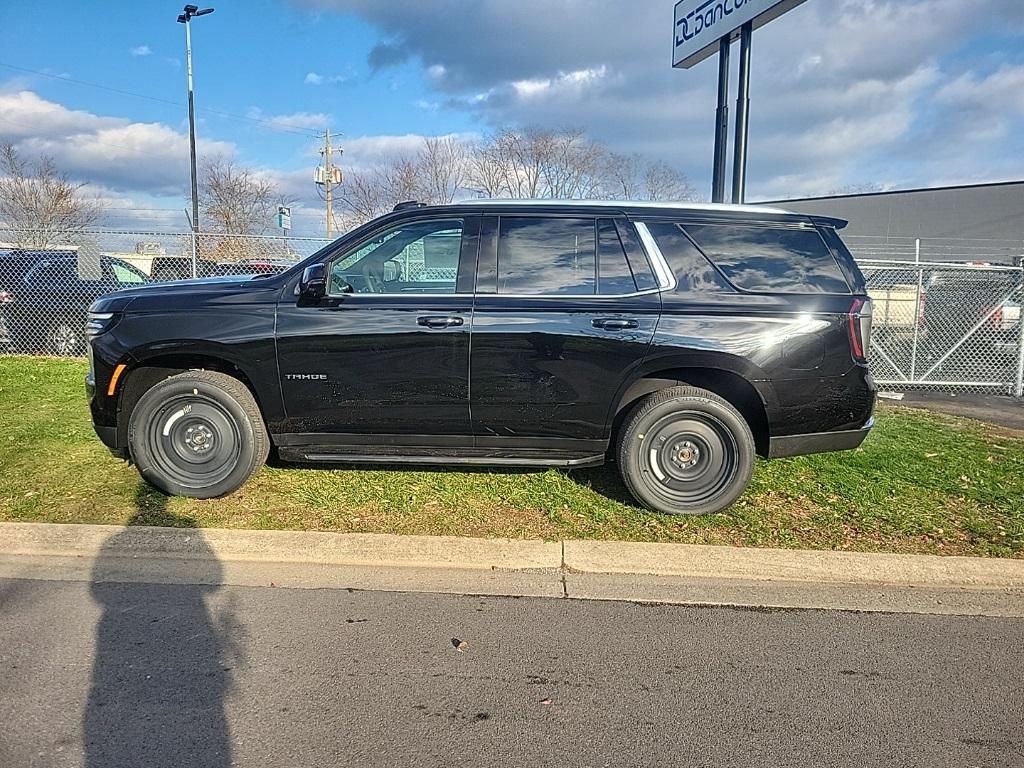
(545, 701)
(460, 645)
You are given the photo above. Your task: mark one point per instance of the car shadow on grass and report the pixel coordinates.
(160, 677)
(604, 480)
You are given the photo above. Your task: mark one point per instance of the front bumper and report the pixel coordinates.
(818, 442)
(107, 433)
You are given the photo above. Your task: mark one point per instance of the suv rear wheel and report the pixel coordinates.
(686, 451)
(197, 434)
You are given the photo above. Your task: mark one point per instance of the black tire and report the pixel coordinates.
(198, 434)
(686, 451)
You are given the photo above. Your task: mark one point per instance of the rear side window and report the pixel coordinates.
(771, 259)
(846, 262)
(694, 273)
(613, 273)
(56, 274)
(546, 256)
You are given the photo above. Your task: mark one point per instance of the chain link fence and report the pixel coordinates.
(946, 326)
(49, 279)
(947, 313)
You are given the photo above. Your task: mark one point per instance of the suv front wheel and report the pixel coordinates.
(686, 451)
(198, 434)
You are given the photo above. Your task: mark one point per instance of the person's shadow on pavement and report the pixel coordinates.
(160, 674)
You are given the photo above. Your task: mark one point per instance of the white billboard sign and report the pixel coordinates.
(700, 24)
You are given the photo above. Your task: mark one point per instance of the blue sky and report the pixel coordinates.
(898, 94)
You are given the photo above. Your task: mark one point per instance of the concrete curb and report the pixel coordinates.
(588, 557)
(228, 545)
(819, 567)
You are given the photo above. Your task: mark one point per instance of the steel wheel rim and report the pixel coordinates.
(688, 458)
(63, 340)
(194, 441)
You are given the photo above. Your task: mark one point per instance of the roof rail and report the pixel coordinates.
(407, 204)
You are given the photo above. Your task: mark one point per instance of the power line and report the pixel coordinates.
(274, 126)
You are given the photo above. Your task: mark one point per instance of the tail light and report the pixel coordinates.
(858, 325)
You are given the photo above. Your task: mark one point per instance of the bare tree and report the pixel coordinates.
(572, 165)
(441, 168)
(485, 172)
(521, 155)
(622, 176)
(372, 192)
(237, 200)
(362, 196)
(631, 177)
(537, 162)
(663, 182)
(41, 202)
(530, 162)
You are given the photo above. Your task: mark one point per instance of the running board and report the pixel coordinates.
(466, 457)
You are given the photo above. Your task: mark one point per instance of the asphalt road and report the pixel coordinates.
(169, 675)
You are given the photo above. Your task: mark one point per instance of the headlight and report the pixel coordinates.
(98, 322)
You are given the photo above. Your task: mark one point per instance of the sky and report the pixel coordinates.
(894, 93)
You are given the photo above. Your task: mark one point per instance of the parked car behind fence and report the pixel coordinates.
(44, 298)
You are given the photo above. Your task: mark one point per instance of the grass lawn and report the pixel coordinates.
(921, 483)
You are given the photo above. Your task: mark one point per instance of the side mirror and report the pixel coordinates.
(313, 285)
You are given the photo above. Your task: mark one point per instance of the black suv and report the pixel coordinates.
(45, 297)
(680, 340)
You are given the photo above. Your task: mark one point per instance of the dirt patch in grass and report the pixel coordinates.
(922, 482)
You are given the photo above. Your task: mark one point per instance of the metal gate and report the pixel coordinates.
(946, 326)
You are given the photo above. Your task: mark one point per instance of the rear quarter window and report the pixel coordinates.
(771, 259)
(694, 273)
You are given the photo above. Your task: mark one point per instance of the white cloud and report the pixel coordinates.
(141, 50)
(560, 84)
(999, 92)
(315, 78)
(112, 152)
(297, 121)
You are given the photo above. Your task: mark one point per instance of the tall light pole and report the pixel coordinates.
(186, 18)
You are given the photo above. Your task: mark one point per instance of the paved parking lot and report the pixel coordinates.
(181, 675)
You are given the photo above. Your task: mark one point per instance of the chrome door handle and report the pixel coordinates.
(438, 321)
(614, 323)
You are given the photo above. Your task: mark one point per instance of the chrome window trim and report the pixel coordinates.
(581, 296)
(662, 271)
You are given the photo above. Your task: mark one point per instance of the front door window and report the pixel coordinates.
(419, 257)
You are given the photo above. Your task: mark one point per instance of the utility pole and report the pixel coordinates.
(185, 18)
(328, 180)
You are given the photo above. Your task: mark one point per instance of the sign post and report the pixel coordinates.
(721, 124)
(699, 28)
(739, 159)
(284, 219)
